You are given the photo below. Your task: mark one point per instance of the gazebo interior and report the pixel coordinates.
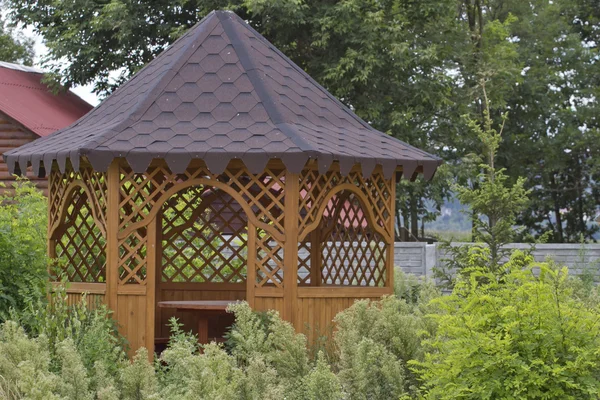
(221, 171)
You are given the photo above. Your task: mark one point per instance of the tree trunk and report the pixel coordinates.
(414, 217)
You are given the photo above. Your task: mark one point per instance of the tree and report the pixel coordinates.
(494, 205)
(493, 202)
(410, 68)
(14, 47)
(550, 88)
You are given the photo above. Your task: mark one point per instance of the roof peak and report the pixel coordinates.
(220, 92)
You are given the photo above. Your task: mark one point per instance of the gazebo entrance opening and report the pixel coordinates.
(203, 241)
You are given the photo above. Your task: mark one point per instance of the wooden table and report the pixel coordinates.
(205, 310)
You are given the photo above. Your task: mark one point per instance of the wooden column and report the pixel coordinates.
(151, 253)
(290, 264)
(389, 282)
(158, 255)
(51, 243)
(112, 230)
(315, 257)
(251, 265)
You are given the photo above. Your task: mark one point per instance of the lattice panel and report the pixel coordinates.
(132, 257)
(352, 253)
(315, 188)
(263, 193)
(139, 192)
(95, 182)
(204, 237)
(80, 247)
(304, 263)
(269, 261)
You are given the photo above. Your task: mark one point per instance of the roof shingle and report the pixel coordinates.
(222, 91)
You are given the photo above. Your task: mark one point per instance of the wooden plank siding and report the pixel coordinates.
(13, 135)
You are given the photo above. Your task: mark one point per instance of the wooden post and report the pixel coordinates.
(251, 265)
(151, 286)
(112, 242)
(290, 265)
(389, 282)
(158, 256)
(315, 258)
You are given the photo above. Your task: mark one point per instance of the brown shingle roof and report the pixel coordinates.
(222, 91)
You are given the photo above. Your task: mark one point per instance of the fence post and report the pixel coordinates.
(430, 259)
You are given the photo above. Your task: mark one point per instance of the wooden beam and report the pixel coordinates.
(343, 291)
(290, 268)
(269, 291)
(82, 287)
(158, 256)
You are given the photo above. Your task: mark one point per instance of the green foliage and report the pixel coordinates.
(93, 332)
(494, 205)
(23, 261)
(520, 336)
(75, 382)
(414, 290)
(14, 46)
(375, 341)
(272, 340)
(321, 383)
(30, 369)
(138, 380)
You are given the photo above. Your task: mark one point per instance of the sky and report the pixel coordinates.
(85, 92)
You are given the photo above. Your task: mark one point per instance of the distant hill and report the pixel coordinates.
(452, 218)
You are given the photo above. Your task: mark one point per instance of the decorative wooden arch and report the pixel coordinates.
(198, 182)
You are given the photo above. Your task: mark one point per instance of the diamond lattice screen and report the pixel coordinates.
(80, 245)
(204, 237)
(353, 254)
(262, 194)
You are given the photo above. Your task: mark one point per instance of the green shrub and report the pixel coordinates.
(415, 290)
(376, 339)
(24, 364)
(93, 332)
(321, 383)
(515, 336)
(138, 379)
(23, 260)
(268, 336)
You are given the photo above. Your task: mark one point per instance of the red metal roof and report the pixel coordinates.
(27, 100)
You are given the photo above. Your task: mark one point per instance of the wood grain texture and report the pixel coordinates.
(187, 293)
(315, 316)
(290, 273)
(13, 135)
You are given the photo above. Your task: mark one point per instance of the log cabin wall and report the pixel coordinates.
(13, 135)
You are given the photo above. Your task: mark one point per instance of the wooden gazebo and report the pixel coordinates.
(222, 171)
